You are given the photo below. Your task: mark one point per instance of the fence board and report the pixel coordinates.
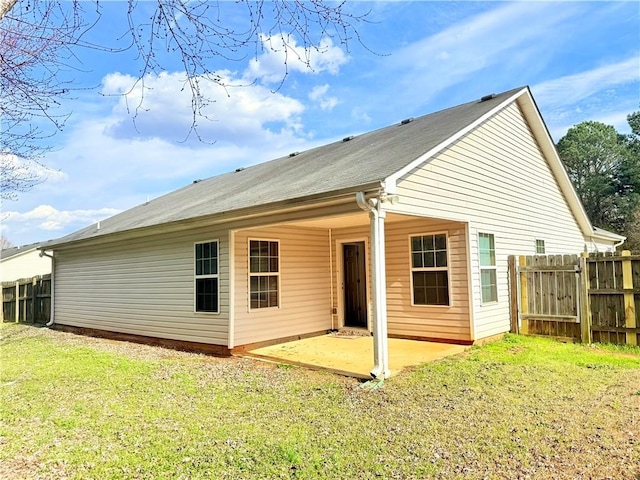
(27, 300)
(600, 303)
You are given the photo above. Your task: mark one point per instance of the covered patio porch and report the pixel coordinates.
(351, 355)
(386, 275)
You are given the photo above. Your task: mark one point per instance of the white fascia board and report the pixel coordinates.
(543, 137)
(609, 237)
(391, 180)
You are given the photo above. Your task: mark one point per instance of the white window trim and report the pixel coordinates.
(430, 269)
(488, 267)
(263, 274)
(196, 277)
(544, 246)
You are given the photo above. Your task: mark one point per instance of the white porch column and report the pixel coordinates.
(379, 285)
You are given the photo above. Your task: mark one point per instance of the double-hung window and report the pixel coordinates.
(264, 273)
(206, 277)
(488, 281)
(540, 248)
(429, 269)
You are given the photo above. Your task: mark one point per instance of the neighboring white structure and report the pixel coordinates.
(23, 262)
(404, 231)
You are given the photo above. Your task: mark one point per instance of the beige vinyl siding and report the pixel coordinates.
(143, 287)
(497, 179)
(442, 322)
(304, 285)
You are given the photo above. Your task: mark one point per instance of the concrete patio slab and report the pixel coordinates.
(353, 355)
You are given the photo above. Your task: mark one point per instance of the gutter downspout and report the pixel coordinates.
(380, 345)
(53, 273)
(616, 245)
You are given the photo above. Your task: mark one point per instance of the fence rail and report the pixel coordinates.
(27, 300)
(589, 298)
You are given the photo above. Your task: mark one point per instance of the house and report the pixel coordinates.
(23, 262)
(404, 231)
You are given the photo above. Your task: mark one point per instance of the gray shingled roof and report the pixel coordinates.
(339, 166)
(13, 251)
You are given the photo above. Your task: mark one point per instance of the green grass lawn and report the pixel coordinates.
(83, 408)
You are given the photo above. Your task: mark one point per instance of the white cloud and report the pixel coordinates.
(250, 113)
(107, 163)
(50, 219)
(360, 116)
(319, 95)
(605, 94)
(571, 89)
(503, 38)
(281, 56)
(18, 168)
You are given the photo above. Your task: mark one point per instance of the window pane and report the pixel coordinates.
(489, 285)
(486, 249)
(429, 259)
(428, 242)
(430, 288)
(263, 256)
(419, 296)
(273, 265)
(207, 295)
(263, 291)
(207, 258)
(253, 265)
(433, 249)
(263, 264)
(441, 259)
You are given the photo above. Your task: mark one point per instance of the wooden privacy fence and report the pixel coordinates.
(591, 298)
(27, 300)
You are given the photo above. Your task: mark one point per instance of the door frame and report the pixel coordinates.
(339, 278)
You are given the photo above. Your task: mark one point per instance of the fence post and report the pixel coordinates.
(17, 300)
(513, 294)
(584, 301)
(629, 300)
(524, 299)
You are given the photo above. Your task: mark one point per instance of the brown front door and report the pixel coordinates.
(355, 285)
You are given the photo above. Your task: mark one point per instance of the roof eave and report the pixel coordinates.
(284, 206)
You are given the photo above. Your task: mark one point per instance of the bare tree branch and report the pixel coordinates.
(38, 40)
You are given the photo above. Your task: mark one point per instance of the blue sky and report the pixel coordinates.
(581, 60)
